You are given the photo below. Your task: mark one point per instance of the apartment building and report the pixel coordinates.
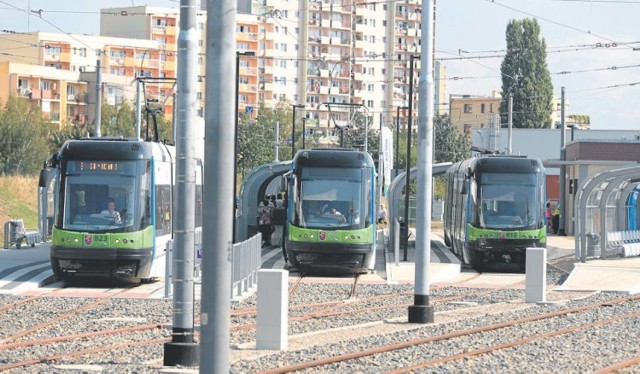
(468, 112)
(333, 56)
(58, 71)
(60, 94)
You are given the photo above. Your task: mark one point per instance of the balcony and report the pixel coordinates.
(246, 36)
(246, 70)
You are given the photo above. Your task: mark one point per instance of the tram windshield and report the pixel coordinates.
(508, 201)
(106, 196)
(333, 198)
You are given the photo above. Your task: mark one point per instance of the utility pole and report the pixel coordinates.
(98, 98)
(563, 168)
(183, 350)
(276, 156)
(139, 106)
(509, 149)
(218, 187)
(303, 24)
(421, 311)
(407, 186)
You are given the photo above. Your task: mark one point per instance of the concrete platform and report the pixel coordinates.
(616, 274)
(620, 275)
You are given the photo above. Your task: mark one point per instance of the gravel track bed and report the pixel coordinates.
(579, 351)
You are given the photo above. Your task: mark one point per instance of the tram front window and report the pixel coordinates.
(91, 195)
(332, 198)
(508, 201)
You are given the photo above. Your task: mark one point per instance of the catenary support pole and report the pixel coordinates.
(276, 144)
(98, 98)
(139, 107)
(510, 148)
(563, 168)
(183, 350)
(397, 159)
(421, 311)
(407, 186)
(218, 165)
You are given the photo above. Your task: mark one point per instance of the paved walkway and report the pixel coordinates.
(616, 274)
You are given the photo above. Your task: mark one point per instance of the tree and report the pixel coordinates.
(256, 137)
(354, 137)
(450, 145)
(23, 134)
(526, 77)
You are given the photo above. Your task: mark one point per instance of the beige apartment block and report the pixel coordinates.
(60, 94)
(121, 60)
(470, 112)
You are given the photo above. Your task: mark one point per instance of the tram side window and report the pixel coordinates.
(198, 222)
(163, 210)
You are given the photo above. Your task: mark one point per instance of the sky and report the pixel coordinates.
(590, 45)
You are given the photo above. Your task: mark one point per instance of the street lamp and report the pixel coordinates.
(408, 176)
(293, 129)
(235, 146)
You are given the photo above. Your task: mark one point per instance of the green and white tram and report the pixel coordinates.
(330, 225)
(138, 176)
(494, 210)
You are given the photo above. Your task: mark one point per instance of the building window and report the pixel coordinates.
(467, 108)
(481, 108)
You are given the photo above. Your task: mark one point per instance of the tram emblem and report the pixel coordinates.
(322, 235)
(88, 239)
(502, 235)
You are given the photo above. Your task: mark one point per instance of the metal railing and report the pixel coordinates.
(246, 260)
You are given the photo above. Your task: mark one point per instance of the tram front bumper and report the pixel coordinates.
(115, 263)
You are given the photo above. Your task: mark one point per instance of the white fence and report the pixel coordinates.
(246, 260)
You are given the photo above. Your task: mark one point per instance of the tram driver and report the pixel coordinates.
(111, 211)
(332, 212)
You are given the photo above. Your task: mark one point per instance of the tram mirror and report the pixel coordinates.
(45, 177)
(464, 187)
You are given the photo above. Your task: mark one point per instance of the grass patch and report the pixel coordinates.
(19, 200)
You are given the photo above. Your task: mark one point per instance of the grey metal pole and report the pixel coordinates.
(421, 311)
(303, 40)
(397, 138)
(219, 159)
(366, 134)
(381, 165)
(183, 350)
(563, 168)
(293, 130)
(510, 149)
(175, 118)
(98, 98)
(407, 187)
(139, 107)
(304, 129)
(276, 143)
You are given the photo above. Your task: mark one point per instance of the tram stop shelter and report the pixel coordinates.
(606, 214)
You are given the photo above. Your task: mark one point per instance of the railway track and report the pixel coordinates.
(358, 354)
